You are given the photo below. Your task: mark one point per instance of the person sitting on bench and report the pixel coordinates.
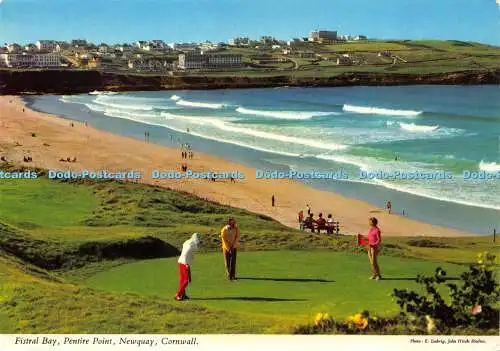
(309, 222)
(330, 224)
(321, 223)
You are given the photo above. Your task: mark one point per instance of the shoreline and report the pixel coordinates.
(96, 149)
(29, 82)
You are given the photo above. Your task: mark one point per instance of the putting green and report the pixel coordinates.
(287, 283)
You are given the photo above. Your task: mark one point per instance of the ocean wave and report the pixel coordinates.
(175, 97)
(489, 166)
(183, 102)
(96, 92)
(105, 102)
(412, 127)
(222, 125)
(233, 142)
(366, 165)
(284, 114)
(118, 112)
(380, 111)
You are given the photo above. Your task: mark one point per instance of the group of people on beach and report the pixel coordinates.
(186, 152)
(230, 238)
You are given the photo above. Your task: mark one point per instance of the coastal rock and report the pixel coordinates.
(73, 82)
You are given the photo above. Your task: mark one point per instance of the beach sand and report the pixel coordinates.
(97, 150)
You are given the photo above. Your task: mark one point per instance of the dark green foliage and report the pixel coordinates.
(427, 243)
(478, 288)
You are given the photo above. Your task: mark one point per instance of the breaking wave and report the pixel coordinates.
(284, 114)
(380, 111)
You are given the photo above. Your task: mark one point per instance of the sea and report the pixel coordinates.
(433, 151)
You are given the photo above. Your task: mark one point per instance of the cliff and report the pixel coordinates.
(72, 81)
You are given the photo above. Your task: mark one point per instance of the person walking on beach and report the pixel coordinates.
(184, 262)
(374, 240)
(272, 200)
(230, 237)
(389, 207)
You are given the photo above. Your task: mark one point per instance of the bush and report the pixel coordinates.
(471, 310)
(472, 305)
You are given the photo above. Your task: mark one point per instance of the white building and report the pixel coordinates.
(31, 60)
(152, 45)
(14, 48)
(223, 60)
(123, 48)
(47, 46)
(245, 41)
(185, 47)
(209, 46)
(158, 46)
(103, 48)
(149, 65)
(80, 43)
(211, 61)
(191, 61)
(294, 41)
(360, 37)
(267, 40)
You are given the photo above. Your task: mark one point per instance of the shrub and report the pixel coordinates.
(471, 304)
(471, 310)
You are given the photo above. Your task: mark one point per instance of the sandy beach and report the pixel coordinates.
(55, 138)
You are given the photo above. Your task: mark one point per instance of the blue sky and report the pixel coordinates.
(114, 21)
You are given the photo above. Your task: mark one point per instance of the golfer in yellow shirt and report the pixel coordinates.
(230, 237)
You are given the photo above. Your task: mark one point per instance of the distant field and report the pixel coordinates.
(366, 47)
(421, 56)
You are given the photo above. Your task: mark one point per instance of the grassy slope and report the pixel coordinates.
(423, 56)
(31, 303)
(74, 213)
(63, 216)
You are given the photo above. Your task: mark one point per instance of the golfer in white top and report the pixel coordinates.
(185, 260)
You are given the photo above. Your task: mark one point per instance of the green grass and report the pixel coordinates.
(28, 203)
(368, 46)
(286, 283)
(423, 56)
(68, 226)
(32, 303)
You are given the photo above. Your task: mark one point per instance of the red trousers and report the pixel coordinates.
(184, 279)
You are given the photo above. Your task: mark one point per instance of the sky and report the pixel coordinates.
(118, 21)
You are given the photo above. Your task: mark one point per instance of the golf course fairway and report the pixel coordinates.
(287, 283)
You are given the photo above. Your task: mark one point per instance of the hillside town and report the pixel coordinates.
(157, 56)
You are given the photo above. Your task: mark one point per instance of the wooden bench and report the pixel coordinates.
(334, 229)
(314, 227)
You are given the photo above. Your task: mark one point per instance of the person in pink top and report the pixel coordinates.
(374, 240)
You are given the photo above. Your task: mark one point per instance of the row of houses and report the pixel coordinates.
(150, 65)
(51, 60)
(209, 61)
(316, 36)
(44, 46)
